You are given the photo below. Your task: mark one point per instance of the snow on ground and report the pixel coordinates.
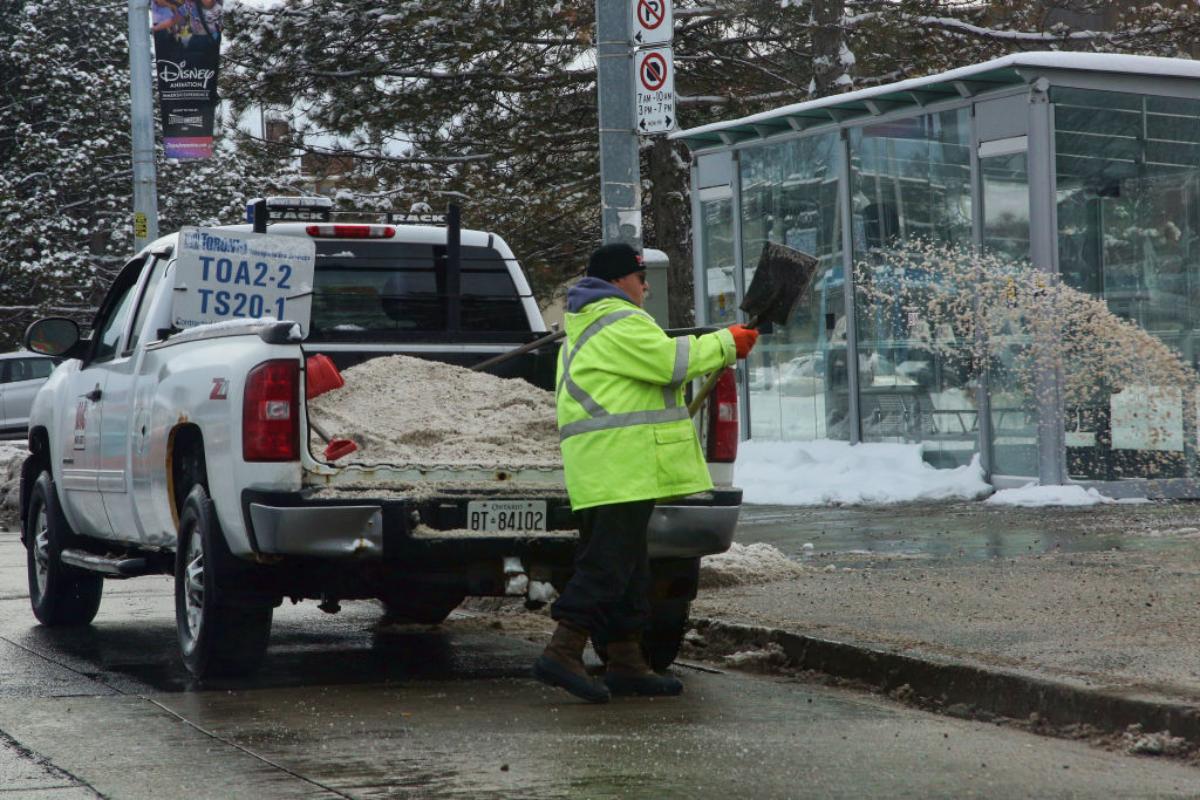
(747, 563)
(12, 454)
(824, 472)
(1033, 496)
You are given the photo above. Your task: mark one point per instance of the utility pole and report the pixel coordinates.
(145, 186)
(620, 172)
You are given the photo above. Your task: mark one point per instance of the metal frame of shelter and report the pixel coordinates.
(1025, 78)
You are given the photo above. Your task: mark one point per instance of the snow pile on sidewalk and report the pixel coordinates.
(404, 410)
(1034, 496)
(12, 455)
(825, 472)
(747, 563)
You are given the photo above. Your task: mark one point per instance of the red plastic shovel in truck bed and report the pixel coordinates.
(321, 376)
(338, 448)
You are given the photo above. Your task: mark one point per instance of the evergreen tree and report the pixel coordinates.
(66, 167)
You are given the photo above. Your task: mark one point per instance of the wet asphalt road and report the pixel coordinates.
(346, 709)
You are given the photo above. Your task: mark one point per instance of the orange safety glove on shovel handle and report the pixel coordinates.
(743, 339)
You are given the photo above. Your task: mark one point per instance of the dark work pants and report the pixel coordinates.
(607, 595)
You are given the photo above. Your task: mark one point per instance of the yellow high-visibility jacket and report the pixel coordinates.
(623, 426)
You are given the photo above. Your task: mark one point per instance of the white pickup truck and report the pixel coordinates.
(157, 450)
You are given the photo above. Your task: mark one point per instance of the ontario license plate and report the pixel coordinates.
(521, 516)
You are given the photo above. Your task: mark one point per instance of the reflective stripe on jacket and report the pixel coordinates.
(623, 426)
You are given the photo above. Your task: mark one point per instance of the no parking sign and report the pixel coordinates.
(652, 22)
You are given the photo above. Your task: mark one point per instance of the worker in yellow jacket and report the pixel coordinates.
(627, 440)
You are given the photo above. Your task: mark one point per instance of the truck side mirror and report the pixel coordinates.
(53, 336)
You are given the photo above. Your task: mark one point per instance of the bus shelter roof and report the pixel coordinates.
(916, 93)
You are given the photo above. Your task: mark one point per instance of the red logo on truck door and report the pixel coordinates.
(80, 440)
(220, 390)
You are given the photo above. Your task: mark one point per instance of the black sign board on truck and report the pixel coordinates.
(187, 48)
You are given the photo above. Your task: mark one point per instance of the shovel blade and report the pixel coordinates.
(782, 279)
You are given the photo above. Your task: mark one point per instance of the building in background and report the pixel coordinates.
(1087, 165)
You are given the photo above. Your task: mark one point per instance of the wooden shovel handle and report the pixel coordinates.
(710, 382)
(525, 348)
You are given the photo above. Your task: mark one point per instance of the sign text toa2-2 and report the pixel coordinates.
(227, 275)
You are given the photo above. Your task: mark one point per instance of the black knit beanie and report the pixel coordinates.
(612, 261)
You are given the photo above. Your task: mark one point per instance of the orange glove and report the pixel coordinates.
(743, 339)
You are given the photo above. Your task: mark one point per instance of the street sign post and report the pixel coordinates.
(652, 22)
(654, 90)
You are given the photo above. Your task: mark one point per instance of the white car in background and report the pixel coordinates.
(21, 375)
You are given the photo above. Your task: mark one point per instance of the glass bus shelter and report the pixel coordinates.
(1084, 166)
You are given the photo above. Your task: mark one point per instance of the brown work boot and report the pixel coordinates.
(561, 664)
(628, 672)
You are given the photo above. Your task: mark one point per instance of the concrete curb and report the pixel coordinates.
(971, 690)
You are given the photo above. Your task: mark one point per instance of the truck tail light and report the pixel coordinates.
(271, 412)
(723, 419)
(351, 231)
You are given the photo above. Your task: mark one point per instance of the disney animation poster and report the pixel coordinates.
(187, 48)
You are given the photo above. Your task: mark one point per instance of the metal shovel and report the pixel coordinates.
(781, 280)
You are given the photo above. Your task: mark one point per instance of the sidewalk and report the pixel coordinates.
(1092, 615)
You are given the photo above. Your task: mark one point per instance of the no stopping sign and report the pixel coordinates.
(654, 90)
(653, 71)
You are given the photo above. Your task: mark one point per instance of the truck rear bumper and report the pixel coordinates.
(320, 531)
(290, 524)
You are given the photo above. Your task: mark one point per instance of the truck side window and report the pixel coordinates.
(157, 268)
(108, 335)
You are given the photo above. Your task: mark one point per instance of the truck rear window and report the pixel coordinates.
(383, 289)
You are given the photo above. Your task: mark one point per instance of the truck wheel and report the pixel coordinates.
(421, 606)
(663, 636)
(217, 639)
(60, 595)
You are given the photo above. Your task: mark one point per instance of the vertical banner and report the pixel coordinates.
(187, 50)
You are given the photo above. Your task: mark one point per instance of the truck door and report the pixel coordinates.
(85, 470)
(119, 441)
(79, 420)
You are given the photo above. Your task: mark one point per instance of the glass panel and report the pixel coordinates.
(109, 334)
(1128, 170)
(39, 368)
(798, 383)
(1005, 183)
(716, 242)
(911, 182)
(1006, 204)
(157, 268)
(389, 289)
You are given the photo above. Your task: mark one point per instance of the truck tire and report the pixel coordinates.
(60, 595)
(421, 606)
(217, 638)
(663, 636)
